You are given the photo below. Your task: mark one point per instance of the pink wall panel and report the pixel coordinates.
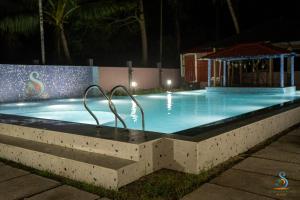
(112, 76)
(146, 78)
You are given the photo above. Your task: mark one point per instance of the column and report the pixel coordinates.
(215, 74)
(224, 73)
(129, 65)
(196, 68)
(292, 70)
(271, 74)
(281, 70)
(95, 75)
(208, 72)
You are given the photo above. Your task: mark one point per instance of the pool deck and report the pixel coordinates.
(254, 177)
(19, 184)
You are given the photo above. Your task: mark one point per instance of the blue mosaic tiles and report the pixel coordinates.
(35, 82)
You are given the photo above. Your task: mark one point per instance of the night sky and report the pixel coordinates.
(202, 23)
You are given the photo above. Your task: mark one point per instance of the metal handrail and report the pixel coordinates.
(133, 99)
(110, 103)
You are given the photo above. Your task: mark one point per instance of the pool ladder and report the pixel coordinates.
(111, 105)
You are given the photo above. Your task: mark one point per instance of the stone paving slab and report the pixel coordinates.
(257, 183)
(25, 186)
(64, 192)
(215, 192)
(8, 172)
(269, 167)
(291, 139)
(295, 132)
(288, 147)
(276, 154)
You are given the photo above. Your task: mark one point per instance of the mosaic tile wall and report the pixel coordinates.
(33, 82)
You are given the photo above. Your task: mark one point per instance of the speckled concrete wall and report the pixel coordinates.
(91, 144)
(170, 153)
(194, 157)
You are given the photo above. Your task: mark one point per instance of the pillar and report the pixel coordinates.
(281, 70)
(224, 73)
(196, 68)
(292, 70)
(241, 73)
(208, 72)
(215, 74)
(271, 74)
(129, 65)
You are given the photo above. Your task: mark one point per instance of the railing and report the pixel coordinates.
(110, 103)
(133, 99)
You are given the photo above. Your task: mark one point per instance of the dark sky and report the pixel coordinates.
(201, 23)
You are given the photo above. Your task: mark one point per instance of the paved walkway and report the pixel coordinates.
(19, 184)
(254, 178)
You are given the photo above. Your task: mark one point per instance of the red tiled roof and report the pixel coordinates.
(248, 50)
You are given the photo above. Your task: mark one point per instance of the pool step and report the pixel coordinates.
(82, 141)
(95, 168)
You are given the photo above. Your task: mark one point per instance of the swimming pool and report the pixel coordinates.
(164, 113)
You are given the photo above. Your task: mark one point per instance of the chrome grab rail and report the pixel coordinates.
(110, 103)
(133, 99)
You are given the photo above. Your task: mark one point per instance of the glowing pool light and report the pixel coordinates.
(59, 106)
(21, 104)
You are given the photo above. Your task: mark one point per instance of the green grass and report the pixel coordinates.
(163, 184)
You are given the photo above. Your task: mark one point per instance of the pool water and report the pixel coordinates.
(165, 113)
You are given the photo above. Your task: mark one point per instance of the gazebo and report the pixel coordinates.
(252, 53)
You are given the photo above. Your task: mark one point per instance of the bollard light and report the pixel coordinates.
(134, 84)
(169, 82)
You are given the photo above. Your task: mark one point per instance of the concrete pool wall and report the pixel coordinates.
(114, 163)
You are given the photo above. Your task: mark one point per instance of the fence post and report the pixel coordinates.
(129, 65)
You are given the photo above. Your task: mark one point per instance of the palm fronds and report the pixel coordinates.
(24, 24)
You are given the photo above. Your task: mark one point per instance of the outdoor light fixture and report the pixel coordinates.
(169, 82)
(134, 84)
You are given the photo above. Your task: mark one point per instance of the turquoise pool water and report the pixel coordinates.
(166, 113)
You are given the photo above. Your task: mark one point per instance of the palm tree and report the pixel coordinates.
(128, 13)
(142, 24)
(42, 32)
(221, 3)
(57, 14)
(233, 16)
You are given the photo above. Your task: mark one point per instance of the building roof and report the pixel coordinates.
(248, 51)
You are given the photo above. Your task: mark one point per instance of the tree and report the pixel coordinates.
(42, 32)
(220, 3)
(127, 13)
(175, 5)
(57, 14)
(142, 24)
(233, 16)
